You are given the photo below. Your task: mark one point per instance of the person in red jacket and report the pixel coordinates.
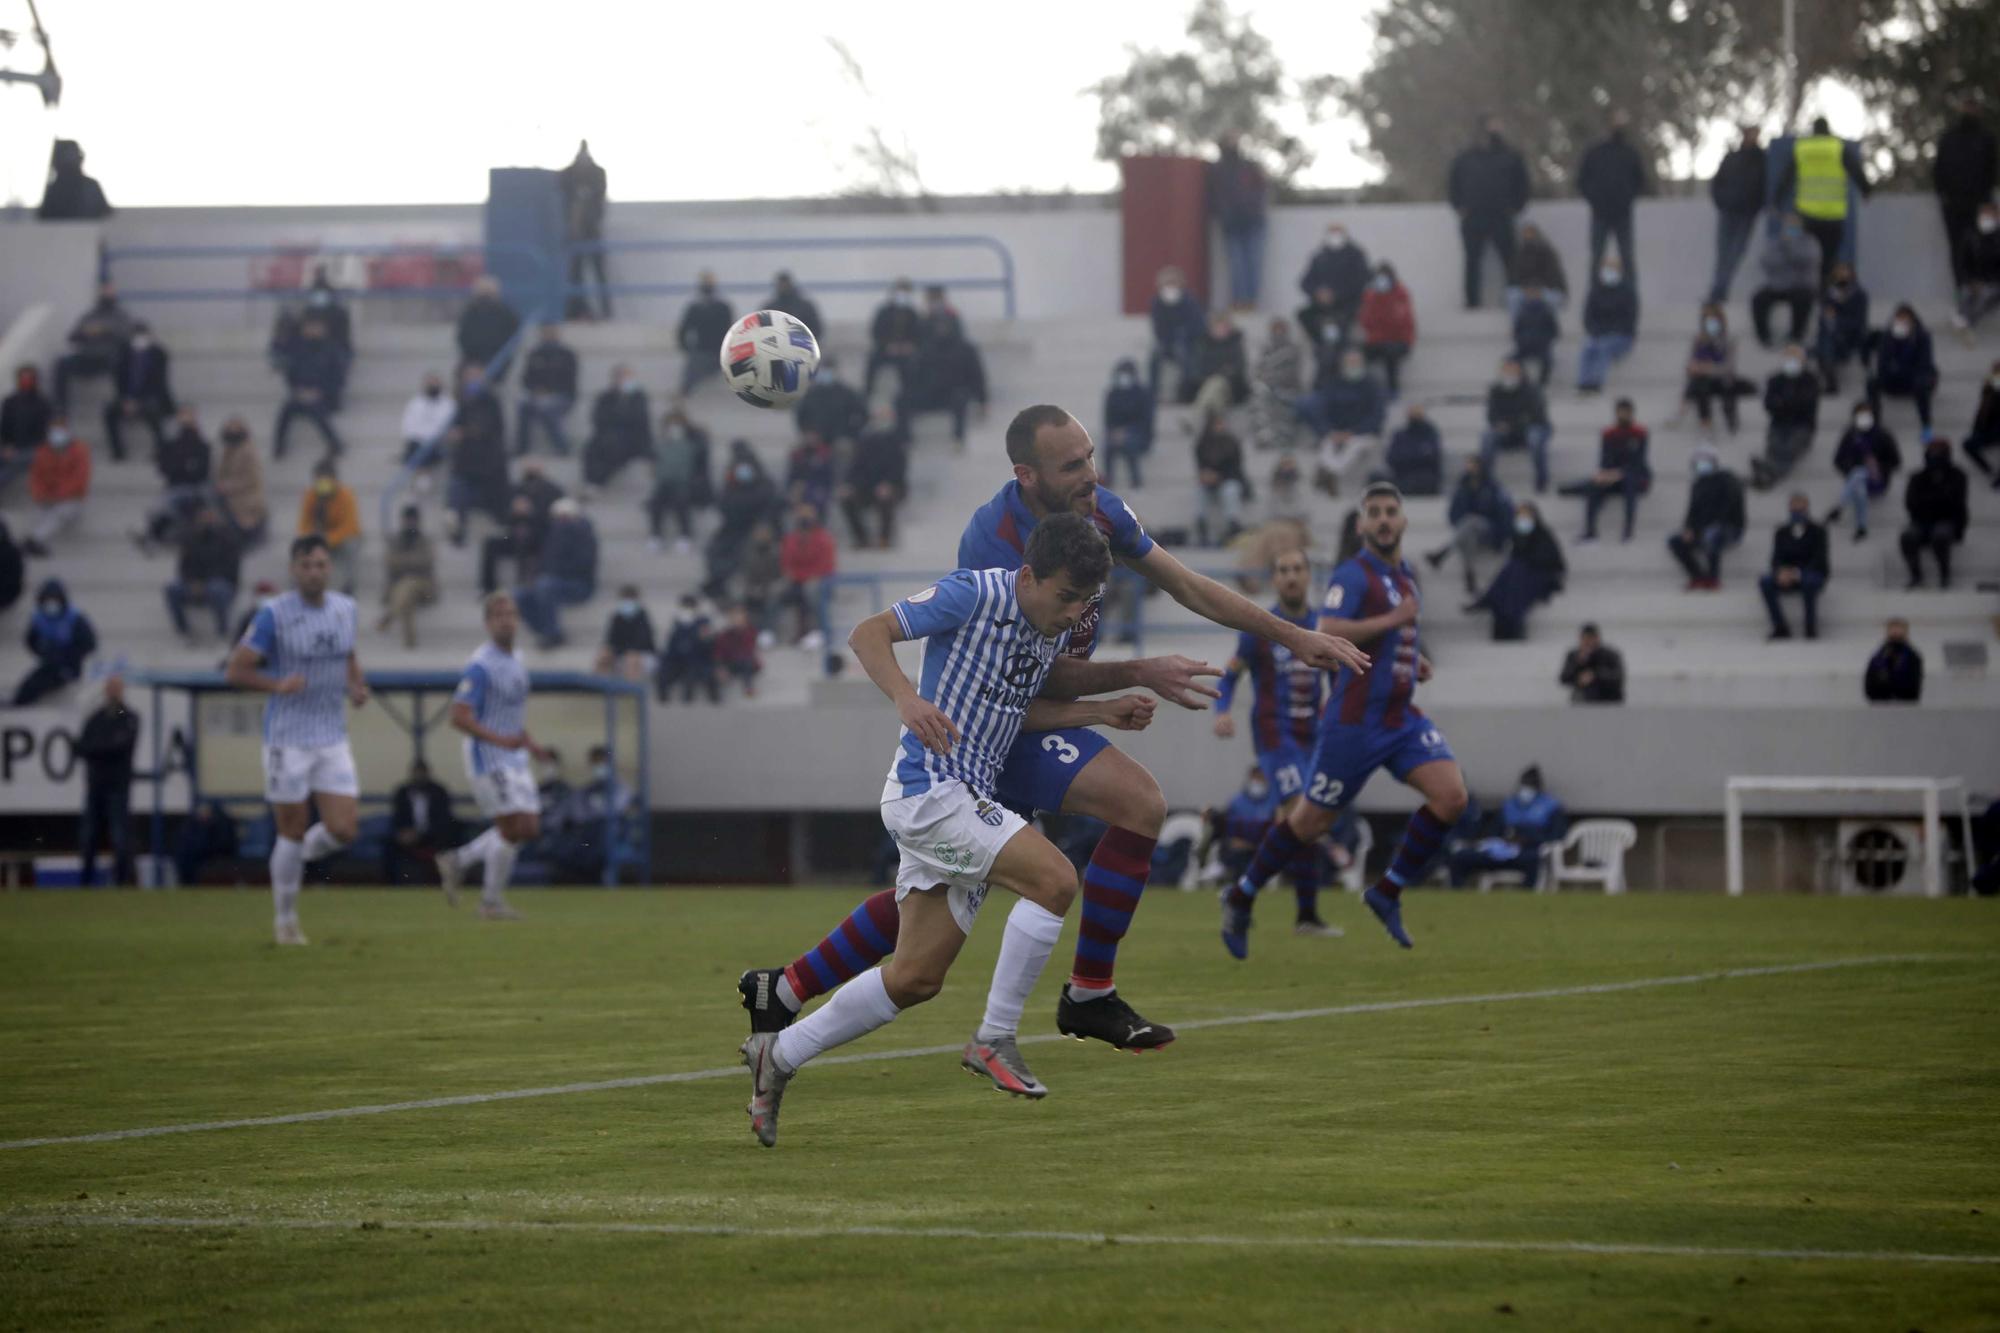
(1388, 325)
(807, 561)
(58, 483)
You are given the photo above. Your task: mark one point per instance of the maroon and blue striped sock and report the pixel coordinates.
(1112, 883)
(865, 938)
(1279, 848)
(1419, 847)
(1305, 874)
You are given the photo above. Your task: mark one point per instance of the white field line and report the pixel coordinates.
(914, 1052)
(1206, 1241)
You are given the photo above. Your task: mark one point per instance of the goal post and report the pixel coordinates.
(1929, 791)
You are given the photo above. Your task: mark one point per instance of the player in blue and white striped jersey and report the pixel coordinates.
(491, 707)
(299, 650)
(990, 637)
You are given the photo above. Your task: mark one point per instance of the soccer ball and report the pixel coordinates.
(769, 359)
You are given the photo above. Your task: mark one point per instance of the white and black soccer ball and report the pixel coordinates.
(769, 358)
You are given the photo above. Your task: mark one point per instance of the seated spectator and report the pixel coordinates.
(1798, 564)
(1533, 573)
(1610, 324)
(328, 509)
(1623, 469)
(206, 573)
(1348, 415)
(1866, 460)
(24, 424)
(1593, 670)
(1842, 335)
(807, 559)
(948, 376)
(809, 474)
(1711, 372)
(1895, 673)
(13, 569)
(60, 638)
(548, 391)
(941, 317)
(1415, 456)
(736, 650)
(621, 428)
(420, 826)
(485, 326)
(1536, 264)
(1979, 267)
(1388, 326)
(139, 392)
(1287, 501)
(1791, 400)
(878, 475)
(58, 484)
(1903, 366)
(1221, 488)
(1338, 266)
(678, 452)
(1790, 260)
(1530, 819)
(426, 418)
(1481, 517)
(761, 564)
(704, 324)
(1517, 417)
(315, 376)
(1713, 523)
(1278, 378)
(565, 576)
(687, 656)
(239, 483)
(1128, 423)
(1986, 424)
(183, 463)
(832, 409)
(207, 834)
(1324, 336)
(1178, 324)
(747, 498)
(1536, 330)
(519, 540)
(409, 575)
(629, 645)
(1934, 496)
(786, 296)
(892, 337)
(478, 444)
(1220, 378)
(96, 342)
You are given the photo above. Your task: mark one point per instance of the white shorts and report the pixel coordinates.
(294, 772)
(506, 790)
(949, 836)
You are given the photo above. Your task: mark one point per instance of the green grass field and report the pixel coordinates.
(1591, 1160)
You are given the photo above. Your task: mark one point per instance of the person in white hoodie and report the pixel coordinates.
(426, 417)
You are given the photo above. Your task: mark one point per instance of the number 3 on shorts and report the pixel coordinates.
(1062, 749)
(1325, 791)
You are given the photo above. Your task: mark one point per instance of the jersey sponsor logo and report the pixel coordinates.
(954, 859)
(1021, 669)
(919, 598)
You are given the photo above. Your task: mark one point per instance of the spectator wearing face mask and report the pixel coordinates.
(206, 572)
(1935, 499)
(705, 322)
(1488, 188)
(1221, 486)
(787, 297)
(1842, 334)
(329, 510)
(948, 376)
(1324, 336)
(1415, 455)
(1388, 326)
(1895, 674)
(877, 477)
(565, 576)
(1903, 365)
(1348, 416)
(1713, 523)
(1738, 192)
(736, 650)
(832, 408)
(315, 376)
(477, 441)
(1866, 459)
(58, 484)
(687, 657)
(1711, 372)
(1340, 266)
(1986, 424)
(1536, 329)
(140, 390)
(1791, 400)
(1517, 417)
(676, 453)
(1623, 469)
(485, 326)
(1610, 325)
(1128, 424)
(1178, 324)
(183, 462)
(1536, 264)
(1979, 270)
(426, 417)
(1220, 375)
(1798, 565)
(1530, 819)
(1593, 670)
(1965, 167)
(761, 564)
(748, 497)
(621, 428)
(409, 576)
(1533, 573)
(239, 483)
(807, 557)
(548, 391)
(892, 336)
(1791, 264)
(628, 646)
(95, 343)
(60, 638)
(1481, 517)
(24, 424)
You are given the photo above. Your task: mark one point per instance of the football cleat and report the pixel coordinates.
(451, 876)
(1109, 1019)
(1314, 928)
(1000, 1060)
(759, 989)
(1389, 911)
(767, 1086)
(1235, 929)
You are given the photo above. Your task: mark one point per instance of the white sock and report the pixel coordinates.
(319, 843)
(1031, 935)
(855, 1010)
(1080, 993)
(474, 852)
(786, 995)
(500, 858)
(287, 867)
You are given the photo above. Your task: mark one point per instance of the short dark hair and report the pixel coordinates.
(1623, 405)
(1591, 630)
(309, 543)
(1380, 488)
(1026, 425)
(1070, 543)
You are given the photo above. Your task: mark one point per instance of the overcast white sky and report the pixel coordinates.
(271, 102)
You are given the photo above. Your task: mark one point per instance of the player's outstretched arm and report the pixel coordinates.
(244, 672)
(1225, 606)
(874, 643)
(1173, 678)
(1374, 627)
(1127, 712)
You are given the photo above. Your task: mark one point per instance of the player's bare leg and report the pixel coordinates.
(1442, 785)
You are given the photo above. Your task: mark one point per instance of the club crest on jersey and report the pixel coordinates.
(1395, 597)
(1335, 595)
(989, 814)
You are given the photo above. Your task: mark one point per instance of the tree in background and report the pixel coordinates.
(1915, 68)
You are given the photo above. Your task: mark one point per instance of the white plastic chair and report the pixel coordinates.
(1600, 846)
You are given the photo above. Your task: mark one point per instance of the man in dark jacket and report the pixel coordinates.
(584, 192)
(60, 638)
(786, 296)
(315, 374)
(1713, 523)
(1738, 190)
(420, 821)
(525, 528)
(1415, 456)
(548, 391)
(1963, 173)
(621, 428)
(24, 423)
(567, 575)
(1895, 674)
(1610, 324)
(71, 196)
(1798, 564)
(1593, 670)
(1481, 517)
(1488, 189)
(140, 390)
(94, 343)
(105, 745)
(704, 324)
(1237, 195)
(1611, 178)
(949, 377)
(877, 480)
(892, 336)
(832, 408)
(1517, 417)
(1791, 399)
(1934, 496)
(1979, 266)
(1623, 469)
(478, 444)
(1342, 267)
(485, 326)
(1178, 322)
(206, 572)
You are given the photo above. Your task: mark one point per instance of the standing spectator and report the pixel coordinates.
(96, 342)
(1979, 263)
(548, 387)
(1388, 326)
(1964, 169)
(892, 337)
(315, 375)
(677, 452)
(1610, 324)
(1178, 323)
(1221, 488)
(323, 305)
(140, 390)
(736, 650)
(1791, 399)
(1623, 469)
(704, 324)
(1415, 456)
(878, 476)
(584, 192)
(206, 573)
(1866, 459)
(1277, 379)
(621, 428)
(183, 464)
(629, 644)
(71, 196)
(1843, 326)
(687, 657)
(1593, 670)
(60, 638)
(239, 483)
(1535, 332)
(24, 423)
(1128, 422)
(1348, 415)
(1488, 189)
(1798, 564)
(1517, 417)
(58, 483)
(477, 439)
(1896, 672)
(109, 736)
(1481, 516)
(1611, 178)
(1904, 366)
(1791, 263)
(786, 296)
(948, 377)
(832, 408)
(1934, 496)
(409, 575)
(420, 825)
(1341, 267)
(1816, 179)
(807, 559)
(567, 574)
(328, 509)
(1237, 193)
(1711, 372)
(1533, 573)
(1536, 264)
(1714, 522)
(485, 327)
(1986, 423)
(426, 419)
(1738, 191)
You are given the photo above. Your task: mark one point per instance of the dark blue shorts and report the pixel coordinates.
(1347, 756)
(1037, 772)
(1285, 767)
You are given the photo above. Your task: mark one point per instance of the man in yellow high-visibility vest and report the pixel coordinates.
(1820, 168)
